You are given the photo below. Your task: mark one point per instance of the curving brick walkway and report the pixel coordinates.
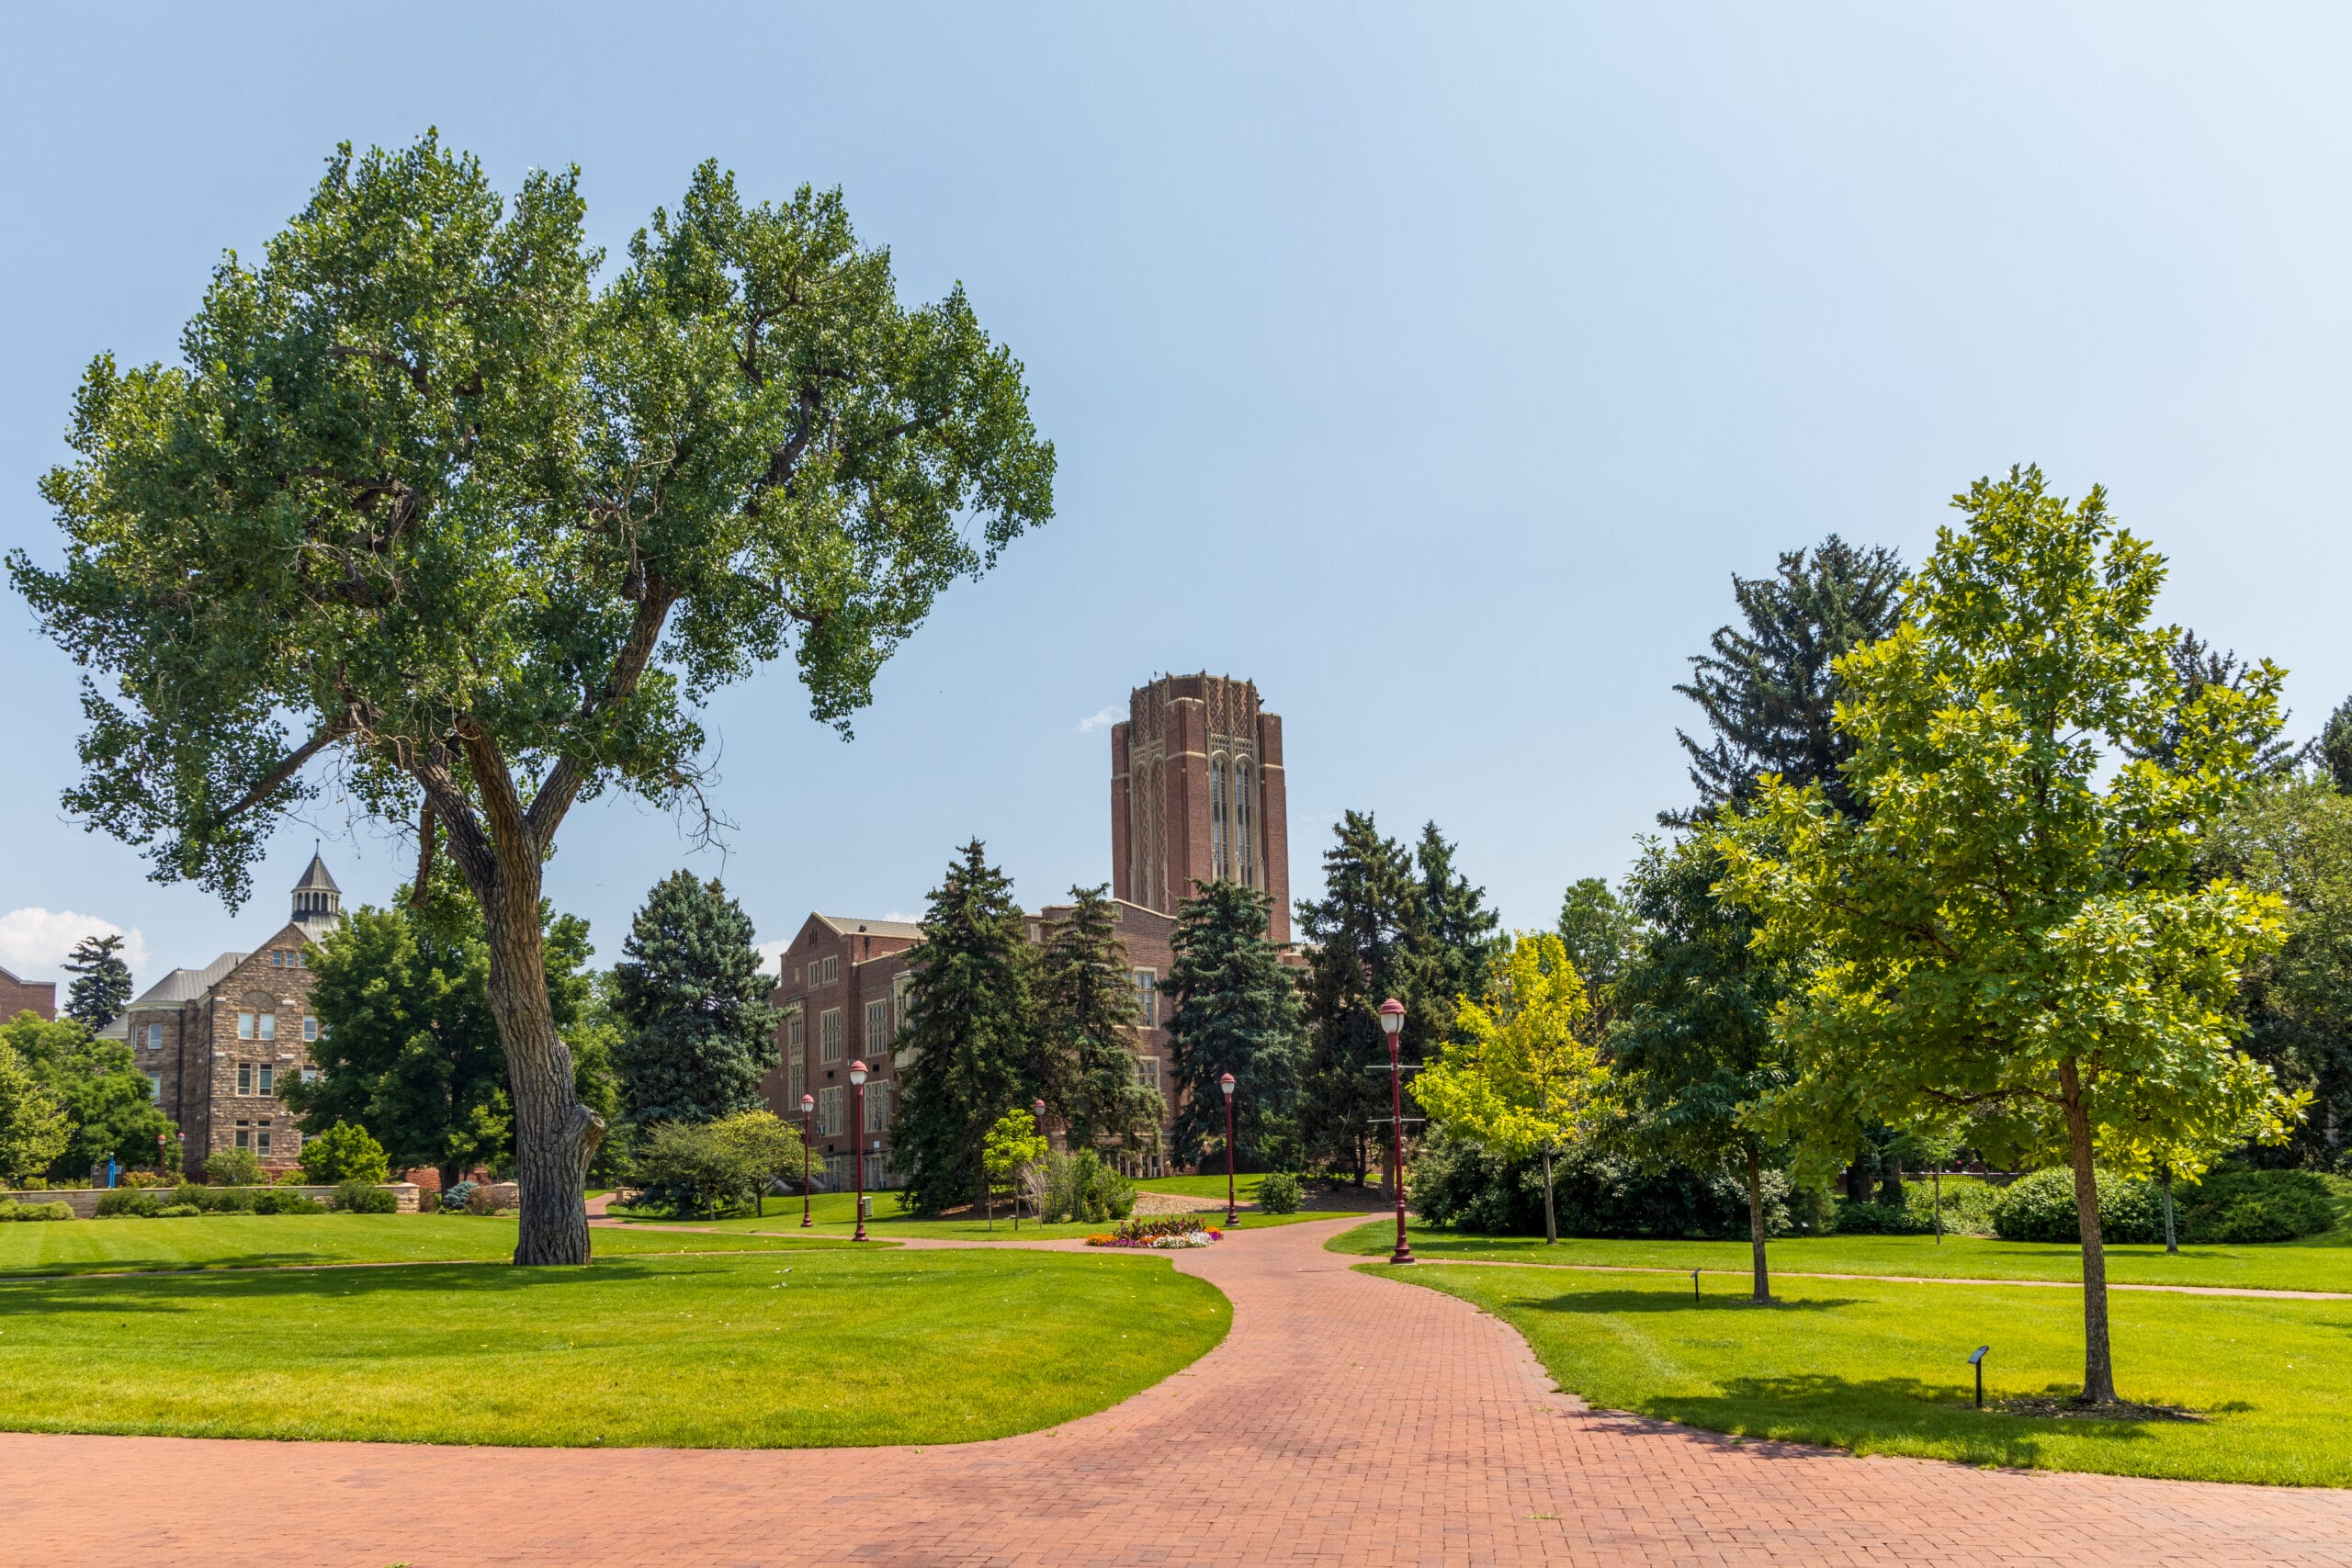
(1347, 1420)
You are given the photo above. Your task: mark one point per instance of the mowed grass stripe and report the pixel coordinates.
(804, 1349)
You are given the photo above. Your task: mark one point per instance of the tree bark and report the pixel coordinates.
(555, 1135)
(1551, 1220)
(1756, 1224)
(2172, 1238)
(2098, 1362)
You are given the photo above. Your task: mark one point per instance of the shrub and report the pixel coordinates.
(11, 1209)
(1081, 1187)
(142, 1179)
(1458, 1184)
(1148, 1227)
(343, 1153)
(234, 1167)
(454, 1200)
(1851, 1218)
(128, 1203)
(176, 1211)
(2041, 1207)
(1281, 1193)
(277, 1201)
(2254, 1205)
(365, 1198)
(686, 1168)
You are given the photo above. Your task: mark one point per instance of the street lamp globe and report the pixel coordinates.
(857, 1072)
(807, 1104)
(1225, 1083)
(1391, 1017)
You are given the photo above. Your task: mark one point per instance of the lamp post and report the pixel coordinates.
(808, 1104)
(1392, 1023)
(1037, 1109)
(857, 1121)
(1225, 1083)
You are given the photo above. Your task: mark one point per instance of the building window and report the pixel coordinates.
(832, 968)
(268, 1025)
(278, 958)
(829, 1035)
(244, 1078)
(828, 1112)
(244, 1026)
(244, 1136)
(268, 1078)
(1242, 848)
(1218, 838)
(1147, 1072)
(796, 1054)
(877, 1031)
(877, 1107)
(1147, 997)
(310, 1026)
(309, 1075)
(261, 1142)
(155, 1088)
(154, 1037)
(902, 985)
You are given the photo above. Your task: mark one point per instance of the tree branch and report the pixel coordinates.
(562, 786)
(271, 781)
(415, 372)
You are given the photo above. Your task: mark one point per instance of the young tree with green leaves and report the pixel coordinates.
(33, 1127)
(1599, 932)
(1368, 940)
(2015, 928)
(692, 993)
(1011, 1146)
(1087, 1017)
(971, 1034)
(343, 1153)
(1696, 1055)
(1770, 689)
(109, 1107)
(101, 987)
(428, 506)
(1520, 1078)
(1465, 933)
(409, 1048)
(1233, 1007)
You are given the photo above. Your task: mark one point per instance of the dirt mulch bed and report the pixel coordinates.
(2063, 1408)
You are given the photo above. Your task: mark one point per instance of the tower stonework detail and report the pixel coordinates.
(1197, 795)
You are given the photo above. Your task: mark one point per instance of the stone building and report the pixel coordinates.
(1196, 794)
(26, 996)
(217, 1043)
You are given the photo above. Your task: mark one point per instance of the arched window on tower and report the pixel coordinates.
(1216, 820)
(1242, 848)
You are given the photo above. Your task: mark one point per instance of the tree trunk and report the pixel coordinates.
(1756, 1224)
(1550, 1221)
(2171, 1240)
(2098, 1362)
(555, 1135)
(1890, 1186)
(1858, 1178)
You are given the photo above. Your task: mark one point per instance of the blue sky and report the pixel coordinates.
(1434, 367)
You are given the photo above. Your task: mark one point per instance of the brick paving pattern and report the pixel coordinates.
(1347, 1420)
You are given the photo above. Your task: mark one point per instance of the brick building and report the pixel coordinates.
(1196, 794)
(216, 1043)
(26, 996)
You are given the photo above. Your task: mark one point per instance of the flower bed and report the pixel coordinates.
(1165, 1232)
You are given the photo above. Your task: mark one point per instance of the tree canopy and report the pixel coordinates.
(101, 987)
(1234, 1009)
(109, 1107)
(691, 992)
(425, 504)
(1086, 1009)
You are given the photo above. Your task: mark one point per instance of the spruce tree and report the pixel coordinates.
(1369, 939)
(1086, 1003)
(1599, 931)
(1466, 934)
(692, 995)
(970, 1035)
(2333, 750)
(101, 981)
(2198, 666)
(1236, 1011)
(1768, 690)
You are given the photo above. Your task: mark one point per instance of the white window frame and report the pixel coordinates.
(830, 1044)
(245, 1017)
(244, 1078)
(266, 1079)
(1146, 984)
(830, 1112)
(877, 1036)
(310, 1026)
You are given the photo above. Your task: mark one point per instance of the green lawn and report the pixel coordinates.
(787, 1349)
(2317, 1263)
(836, 1215)
(1881, 1368)
(253, 1241)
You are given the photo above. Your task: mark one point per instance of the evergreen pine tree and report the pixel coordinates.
(693, 993)
(101, 981)
(2333, 750)
(1086, 1003)
(1599, 931)
(1466, 934)
(1768, 691)
(1369, 939)
(971, 1034)
(2197, 666)
(1236, 1011)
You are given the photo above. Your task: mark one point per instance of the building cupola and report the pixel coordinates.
(318, 902)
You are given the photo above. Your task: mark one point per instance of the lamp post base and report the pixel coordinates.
(1402, 1255)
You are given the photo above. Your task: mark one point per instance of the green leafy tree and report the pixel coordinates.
(1087, 1016)
(409, 1048)
(343, 1153)
(1769, 688)
(690, 1167)
(2196, 664)
(234, 1167)
(108, 1103)
(2332, 749)
(1696, 1053)
(427, 504)
(1234, 1007)
(1011, 1146)
(971, 1034)
(1599, 931)
(1521, 1077)
(1463, 931)
(767, 1149)
(1368, 940)
(101, 987)
(2016, 928)
(33, 1127)
(693, 993)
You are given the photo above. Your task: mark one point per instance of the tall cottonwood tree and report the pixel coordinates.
(425, 506)
(1234, 1007)
(2016, 928)
(1087, 1015)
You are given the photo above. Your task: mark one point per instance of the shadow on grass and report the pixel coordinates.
(1609, 1302)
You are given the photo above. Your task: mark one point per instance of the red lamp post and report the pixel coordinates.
(808, 1104)
(1036, 1109)
(857, 1122)
(1225, 1083)
(1392, 1023)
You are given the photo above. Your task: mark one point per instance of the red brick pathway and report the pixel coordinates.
(1347, 1420)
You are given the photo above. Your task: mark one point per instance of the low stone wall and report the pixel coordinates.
(85, 1199)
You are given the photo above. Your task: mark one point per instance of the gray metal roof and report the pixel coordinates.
(317, 877)
(187, 985)
(850, 925)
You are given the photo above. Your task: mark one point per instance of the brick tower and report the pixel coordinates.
(1196, 794)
